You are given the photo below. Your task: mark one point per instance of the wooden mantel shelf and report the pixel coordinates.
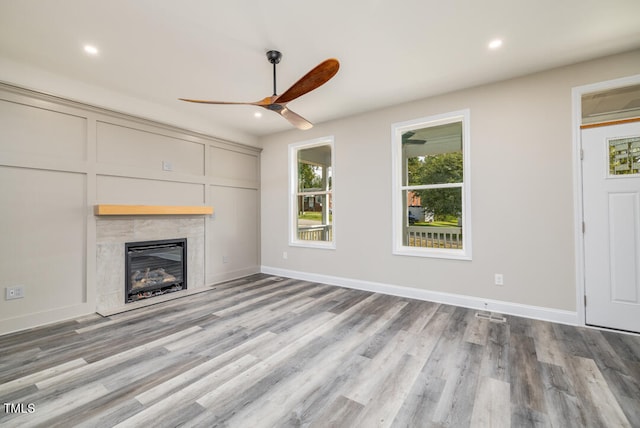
(106, 209)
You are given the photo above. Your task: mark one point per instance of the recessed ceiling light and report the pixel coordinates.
(495, 44)
(257, 114)
(91, 50)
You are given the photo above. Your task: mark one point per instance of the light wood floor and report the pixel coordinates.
(258, 352)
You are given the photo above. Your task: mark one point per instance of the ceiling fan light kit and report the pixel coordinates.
(316, 77)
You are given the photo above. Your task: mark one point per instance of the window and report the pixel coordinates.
(311, 184)
(431, 201)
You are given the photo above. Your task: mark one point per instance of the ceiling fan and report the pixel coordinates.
(406, 138)
(318, 76)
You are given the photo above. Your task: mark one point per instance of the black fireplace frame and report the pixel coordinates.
(140, 245)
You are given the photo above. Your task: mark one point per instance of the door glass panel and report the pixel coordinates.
(624, 156)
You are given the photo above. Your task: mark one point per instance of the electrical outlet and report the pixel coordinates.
(225, 259)
(499, 279)
(167, 166)
(12, 293)
(285, 255)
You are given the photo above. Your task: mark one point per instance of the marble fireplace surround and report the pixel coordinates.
(111, 235)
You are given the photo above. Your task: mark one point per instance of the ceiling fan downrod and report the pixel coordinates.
(274, 58)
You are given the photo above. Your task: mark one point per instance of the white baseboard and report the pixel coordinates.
(33, 320)
(507, 308)
(231, 275)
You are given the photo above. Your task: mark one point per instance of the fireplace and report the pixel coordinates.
(153, 268)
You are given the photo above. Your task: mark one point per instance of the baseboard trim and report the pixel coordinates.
(231, 275)
(507, 308)
(34, 320)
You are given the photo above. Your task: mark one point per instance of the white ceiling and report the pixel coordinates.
(154, 51)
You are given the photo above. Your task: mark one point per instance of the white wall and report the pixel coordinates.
(59, 158)
(522, 194)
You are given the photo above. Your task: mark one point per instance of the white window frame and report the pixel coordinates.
(397, 129)
(293, 193)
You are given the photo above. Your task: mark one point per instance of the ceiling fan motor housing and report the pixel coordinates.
(274, 57)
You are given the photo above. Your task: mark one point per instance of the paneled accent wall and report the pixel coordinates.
(145, 150)
(235, 228)
(59, 158)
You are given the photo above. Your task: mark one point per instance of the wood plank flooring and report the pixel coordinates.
(271, 352)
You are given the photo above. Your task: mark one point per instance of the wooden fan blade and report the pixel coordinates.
(211, 102)
(262, 103)
(315, 78)
(295, 119)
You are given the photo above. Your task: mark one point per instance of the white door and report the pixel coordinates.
(611, 196)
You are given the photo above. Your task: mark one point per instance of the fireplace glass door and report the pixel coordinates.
(154, 268)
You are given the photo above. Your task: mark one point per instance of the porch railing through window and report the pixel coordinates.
(434, 237)
(323, 232)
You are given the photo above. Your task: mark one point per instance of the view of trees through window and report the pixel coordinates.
(441, 205)
(432, 185)
(310, 176)
(313, 216)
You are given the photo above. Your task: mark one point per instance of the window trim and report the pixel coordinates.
(293, 193)
(397, 186)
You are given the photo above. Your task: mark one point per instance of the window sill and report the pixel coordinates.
(312, 244)
(434, 254)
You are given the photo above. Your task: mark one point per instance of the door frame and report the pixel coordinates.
(576, 119)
